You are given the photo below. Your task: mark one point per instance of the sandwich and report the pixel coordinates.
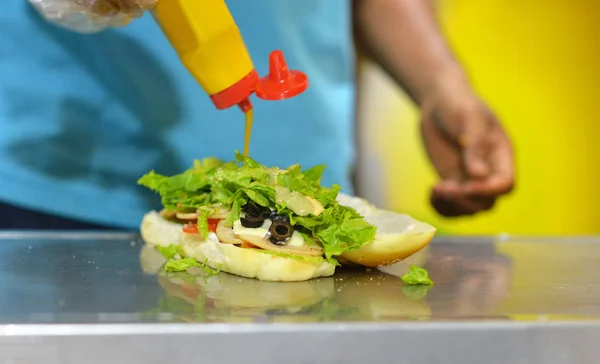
(272, 224)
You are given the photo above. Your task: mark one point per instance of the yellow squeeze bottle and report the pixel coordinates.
(210, 46)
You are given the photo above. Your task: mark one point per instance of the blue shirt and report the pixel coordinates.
(82, 117)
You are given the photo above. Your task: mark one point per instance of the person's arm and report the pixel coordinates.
(463, 138)
(404, 38)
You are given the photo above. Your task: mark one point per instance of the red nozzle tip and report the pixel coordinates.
(245, 105)
(281, 83)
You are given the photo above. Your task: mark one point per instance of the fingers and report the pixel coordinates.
(475, 159)
(110, 8)
(501, 162)
(461, 207)
(441, 151)
(491, 187)
(470, 152)
(105, 7)
(488, 158)
(140, 4)
(474, 144)
(449, 199)
(145, 3)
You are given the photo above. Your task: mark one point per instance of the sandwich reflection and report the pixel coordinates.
(469, 281)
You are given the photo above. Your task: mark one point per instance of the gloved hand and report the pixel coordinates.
(89, 16)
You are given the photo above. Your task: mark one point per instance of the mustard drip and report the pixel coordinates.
(248, 133)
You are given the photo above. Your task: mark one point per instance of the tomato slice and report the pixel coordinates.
(212, 225)
(248, 245)
(190, 228)
(193, 228)
(190, 291)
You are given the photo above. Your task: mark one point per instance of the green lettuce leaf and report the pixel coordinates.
(183, 264)
(169, 251)
(314, 174)
(416, 292)
(339, 228)
(261, 195)
(417, 276)
(231, 185)
(207, 164)
(202, 224)
(180, 265)
(236, 209)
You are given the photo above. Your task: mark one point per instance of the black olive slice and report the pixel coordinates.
(275, 241)
(254, 209)
(252, 221)
(279, 218)
(280, 231)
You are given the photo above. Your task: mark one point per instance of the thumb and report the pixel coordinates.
(104, 8)
(144, 4)
(111, 7)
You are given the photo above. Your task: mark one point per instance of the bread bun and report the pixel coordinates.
(398, 237)
(229, 258)
(405, 237)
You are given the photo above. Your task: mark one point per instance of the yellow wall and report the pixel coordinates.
(536, 62)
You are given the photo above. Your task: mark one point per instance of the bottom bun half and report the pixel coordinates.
(398, 237)
(228, 258)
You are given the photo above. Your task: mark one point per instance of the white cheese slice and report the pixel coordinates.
(238, 229)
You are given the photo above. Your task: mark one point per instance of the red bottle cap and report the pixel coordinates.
(281, 83)
(237, 94)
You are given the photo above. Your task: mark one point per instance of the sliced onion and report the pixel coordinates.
(219, 214)
(187, 216)
(293, 250)
(168, 214)
(226, 235)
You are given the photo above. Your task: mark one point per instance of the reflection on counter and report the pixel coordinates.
(553, 280)
(97, 277)
(470, 281)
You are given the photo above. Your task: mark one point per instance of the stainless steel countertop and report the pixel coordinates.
(511, 300)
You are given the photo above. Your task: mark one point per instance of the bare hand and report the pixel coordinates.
(469, 149)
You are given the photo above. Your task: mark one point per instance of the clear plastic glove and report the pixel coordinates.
(90, 16)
